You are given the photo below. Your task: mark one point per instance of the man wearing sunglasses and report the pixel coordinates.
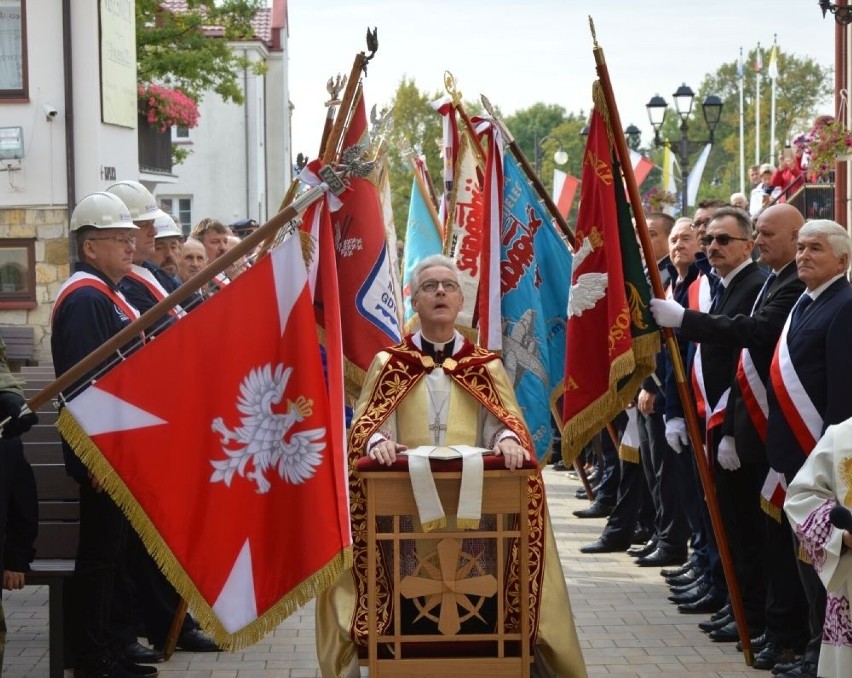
(437, 388)
(744, 428)
(728, 243)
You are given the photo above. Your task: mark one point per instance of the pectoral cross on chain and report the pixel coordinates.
(436, 427)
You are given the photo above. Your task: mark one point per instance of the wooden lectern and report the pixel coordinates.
(448, 582)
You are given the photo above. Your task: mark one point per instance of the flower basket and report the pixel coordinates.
(827, 143)
(164, 108)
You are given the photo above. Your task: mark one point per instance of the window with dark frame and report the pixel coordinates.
(180, 209)
(13, 50)
(17, 273)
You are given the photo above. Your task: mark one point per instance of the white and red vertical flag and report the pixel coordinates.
(233, 473)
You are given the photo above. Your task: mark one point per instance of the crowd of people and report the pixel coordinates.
(130, 256)
(762, 311)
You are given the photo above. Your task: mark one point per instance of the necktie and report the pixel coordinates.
(717, 294)
(764, 289)
(799, 309)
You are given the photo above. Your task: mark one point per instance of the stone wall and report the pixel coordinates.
(48, 225)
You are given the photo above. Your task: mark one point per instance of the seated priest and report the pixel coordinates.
(436, 388)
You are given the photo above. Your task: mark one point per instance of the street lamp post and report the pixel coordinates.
(684, 98)
(560, 157)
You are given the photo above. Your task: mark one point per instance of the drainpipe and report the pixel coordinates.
(247, 213)
(70, 174)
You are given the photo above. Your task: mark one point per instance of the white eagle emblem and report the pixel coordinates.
(589, 289)
(261, 434)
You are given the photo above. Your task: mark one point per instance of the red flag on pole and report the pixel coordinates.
(611, 339)
(234, 477)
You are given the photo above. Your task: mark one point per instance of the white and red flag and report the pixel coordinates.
(234, 472)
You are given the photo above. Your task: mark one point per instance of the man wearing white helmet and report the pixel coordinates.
(146, 283)
(90, 309)
(167, 248)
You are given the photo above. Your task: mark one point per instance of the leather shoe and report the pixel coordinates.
(646, 549)
(772, 654)
(757, 644)
(560, 466)
(713, 624)
(708, 603)
(138, 669)
(678, 571)
(690, 577)
(783, 667)
(661, 556)
(688, 587)
(604, 545)
(640, 535)
(726, 611)
(805, 669)
(690, 596)
(137, 653)
(596, 510)
(729, 633)
(196, 641)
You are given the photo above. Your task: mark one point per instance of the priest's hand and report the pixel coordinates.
(666, 312)
(385, 452)
(514, 454)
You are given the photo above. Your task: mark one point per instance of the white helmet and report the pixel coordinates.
(101, 210)
(138, 199)
(167, 228)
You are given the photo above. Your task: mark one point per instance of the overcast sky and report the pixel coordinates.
(522, 52)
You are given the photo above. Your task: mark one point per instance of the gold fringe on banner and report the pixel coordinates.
(305, 591)
(770, 509)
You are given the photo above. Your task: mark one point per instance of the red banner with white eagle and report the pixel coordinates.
(234, 472)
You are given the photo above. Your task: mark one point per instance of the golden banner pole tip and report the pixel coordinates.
(592, 29)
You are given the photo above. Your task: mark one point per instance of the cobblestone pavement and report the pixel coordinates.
(626, 625)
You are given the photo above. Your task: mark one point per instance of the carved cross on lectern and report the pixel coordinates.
(454, 587)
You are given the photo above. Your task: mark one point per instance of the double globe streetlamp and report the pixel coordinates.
(684, 97)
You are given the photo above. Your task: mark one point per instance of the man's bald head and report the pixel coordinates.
(777, 230)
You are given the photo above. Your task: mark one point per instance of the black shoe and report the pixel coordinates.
(708, 603)
(107, 667)
(772, 654)
(729, 633)
(196, 641)
(596, 510)
(138, 669)
(604, 545)
(690, 577)
(580, 493)
(783, 667)
(688, 587)
(713, 624)
(678, 571)
(641, 551)
(726, 611)
(757, 644)
(560, 466)
(805, 669)
(661, 556)
(137, 653)
(690, 596)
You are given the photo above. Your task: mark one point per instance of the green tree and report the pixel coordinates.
(173, 49)
(802, 86)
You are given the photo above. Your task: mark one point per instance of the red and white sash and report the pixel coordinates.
(795, 403)
(143, 276)
(773, 493)
(699, 300)
(82, 279)
(753, 391)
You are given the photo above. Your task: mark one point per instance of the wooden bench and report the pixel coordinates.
(20, 344)
(59, 518)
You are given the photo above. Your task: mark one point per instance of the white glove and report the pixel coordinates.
(667, 313)
(676, 435)
(728, 458)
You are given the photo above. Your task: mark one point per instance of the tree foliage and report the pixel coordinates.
(172, 48)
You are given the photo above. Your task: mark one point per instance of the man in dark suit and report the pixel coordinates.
(729, 245)
(810, 376)
(766, 536)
